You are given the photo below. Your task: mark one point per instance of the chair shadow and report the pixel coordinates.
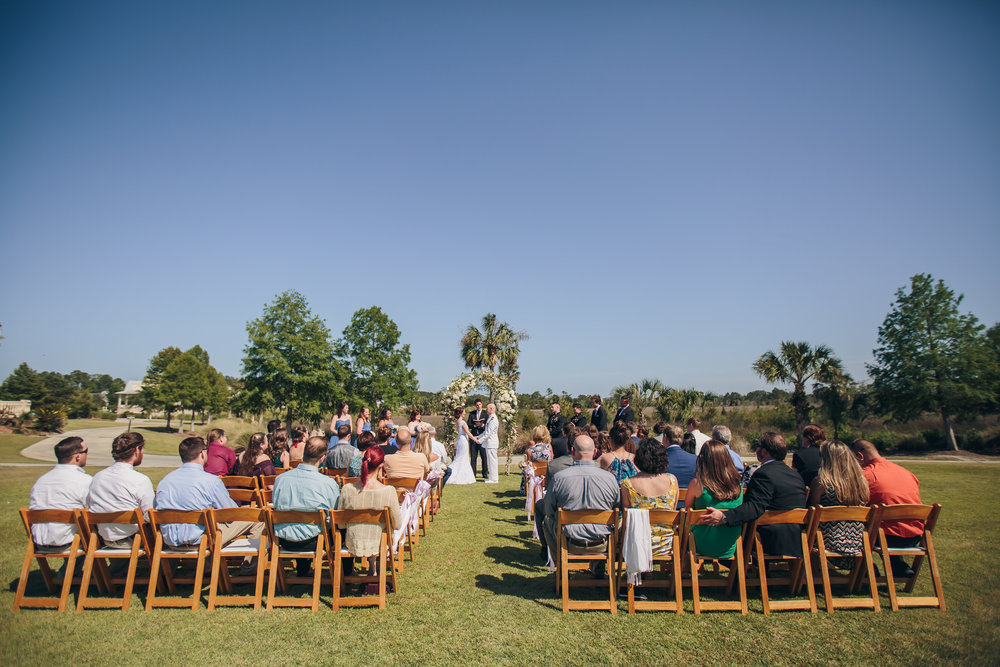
(537, 589)
(511, 504)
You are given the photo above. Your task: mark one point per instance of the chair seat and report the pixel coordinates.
(286, 552)
(193, 549)
(110, 551)
(239, 544)
(907, 550)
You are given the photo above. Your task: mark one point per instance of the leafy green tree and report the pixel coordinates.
(153, 397)
(496, 347)
(288, 363)
(376, 364)
(836, 398)
(186, 382)
(931, 358)
(796, 364)
(23, 384)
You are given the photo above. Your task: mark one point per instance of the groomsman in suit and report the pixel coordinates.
(477, 424)
(774, 486)
(556, 421)
(578, 420)
(599, 417)
(625, 412)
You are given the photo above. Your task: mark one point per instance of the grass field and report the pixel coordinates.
(477, 594)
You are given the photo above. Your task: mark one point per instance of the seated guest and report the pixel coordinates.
(539, 449)
(119, 488)
(64, 487)
(689, 444)
(716, 484)
(633, 428)
(839, 482)
(299, 435)
(365, 440)
(806, 459)
(652, 488)
(304, 488)
(559, 441)
(725, 436)
(620, 461)
(221, 459)
(406, 462)
(682, 463)
(891, 484)
(582, 486)
(422, 445)
(369, 494)
(255, 461)
(659, 432)
(277, 448)
(384, 440)
(339, 456)
(191, 488)
(774, 486)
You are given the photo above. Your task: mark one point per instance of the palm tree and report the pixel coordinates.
(495, 347)
(796, 364)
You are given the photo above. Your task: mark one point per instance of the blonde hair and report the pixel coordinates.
(541, 434)
(839, 470)
(423, 444)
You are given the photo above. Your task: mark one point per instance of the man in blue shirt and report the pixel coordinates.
(306, 489)
(191, 488)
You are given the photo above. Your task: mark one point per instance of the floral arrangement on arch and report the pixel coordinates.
(504, 397)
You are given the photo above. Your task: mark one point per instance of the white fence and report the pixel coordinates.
(16, 408)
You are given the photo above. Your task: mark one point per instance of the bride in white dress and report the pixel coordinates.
(461, 467)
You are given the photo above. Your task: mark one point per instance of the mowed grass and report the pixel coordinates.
(477, 594)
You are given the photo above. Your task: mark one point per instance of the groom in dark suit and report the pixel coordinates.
(477, 424)
(774, 486)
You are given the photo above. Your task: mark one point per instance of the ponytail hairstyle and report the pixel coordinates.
(370, 461)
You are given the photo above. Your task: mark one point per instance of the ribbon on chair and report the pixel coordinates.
(536, 491)
(637, 545)
(408, 509)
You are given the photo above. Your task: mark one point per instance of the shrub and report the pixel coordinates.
(49, 419)
(527, 419)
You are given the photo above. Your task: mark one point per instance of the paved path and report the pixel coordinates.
(98, 441)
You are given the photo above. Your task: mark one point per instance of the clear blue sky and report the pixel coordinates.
(648, 189)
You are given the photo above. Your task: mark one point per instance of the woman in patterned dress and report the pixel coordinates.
(652, 488)
(620, 461)
(539, 449)
(839, 482)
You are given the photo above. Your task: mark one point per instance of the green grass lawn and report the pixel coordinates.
(477, 594)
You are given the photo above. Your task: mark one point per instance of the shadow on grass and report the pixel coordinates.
(539, 589)
(517, 556)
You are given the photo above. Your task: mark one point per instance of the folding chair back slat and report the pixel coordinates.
(244, 496)
(239, 482)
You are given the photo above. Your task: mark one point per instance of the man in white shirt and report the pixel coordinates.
(120, 487)
(700, 438)
(64, 487)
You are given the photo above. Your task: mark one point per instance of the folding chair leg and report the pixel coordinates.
(935, 573)
(22, 582)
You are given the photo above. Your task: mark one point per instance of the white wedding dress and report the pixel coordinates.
(461, 467)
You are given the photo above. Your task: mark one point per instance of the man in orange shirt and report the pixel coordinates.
(891, 484)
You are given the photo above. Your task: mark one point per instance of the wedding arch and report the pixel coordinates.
(504, 397)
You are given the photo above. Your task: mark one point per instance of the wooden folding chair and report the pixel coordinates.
(278, 554)
(245, 497)
(335, 472)
(736, 575)
(238, 548)
(410, 484)
(928, 514)
(675, 520)
(163, 554)
(798, 566)
(539, 468)
(410, 537)
(240, 482)
(817, 545)
(267, 481)
(97, 553)
(265, 497)
(570, 560)
(349, 480)
(42, 554)
(341, 519)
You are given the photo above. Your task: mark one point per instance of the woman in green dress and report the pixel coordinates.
(716, 484)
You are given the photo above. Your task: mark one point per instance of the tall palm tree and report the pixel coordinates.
(796, 364)
(495, 347)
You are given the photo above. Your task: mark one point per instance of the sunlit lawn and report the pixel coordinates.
(477, 594)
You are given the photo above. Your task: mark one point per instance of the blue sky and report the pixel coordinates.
(648, 189)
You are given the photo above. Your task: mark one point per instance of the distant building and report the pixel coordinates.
(132, 387)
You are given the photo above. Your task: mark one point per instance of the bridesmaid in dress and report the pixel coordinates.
(362, 423)
(343, 417)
